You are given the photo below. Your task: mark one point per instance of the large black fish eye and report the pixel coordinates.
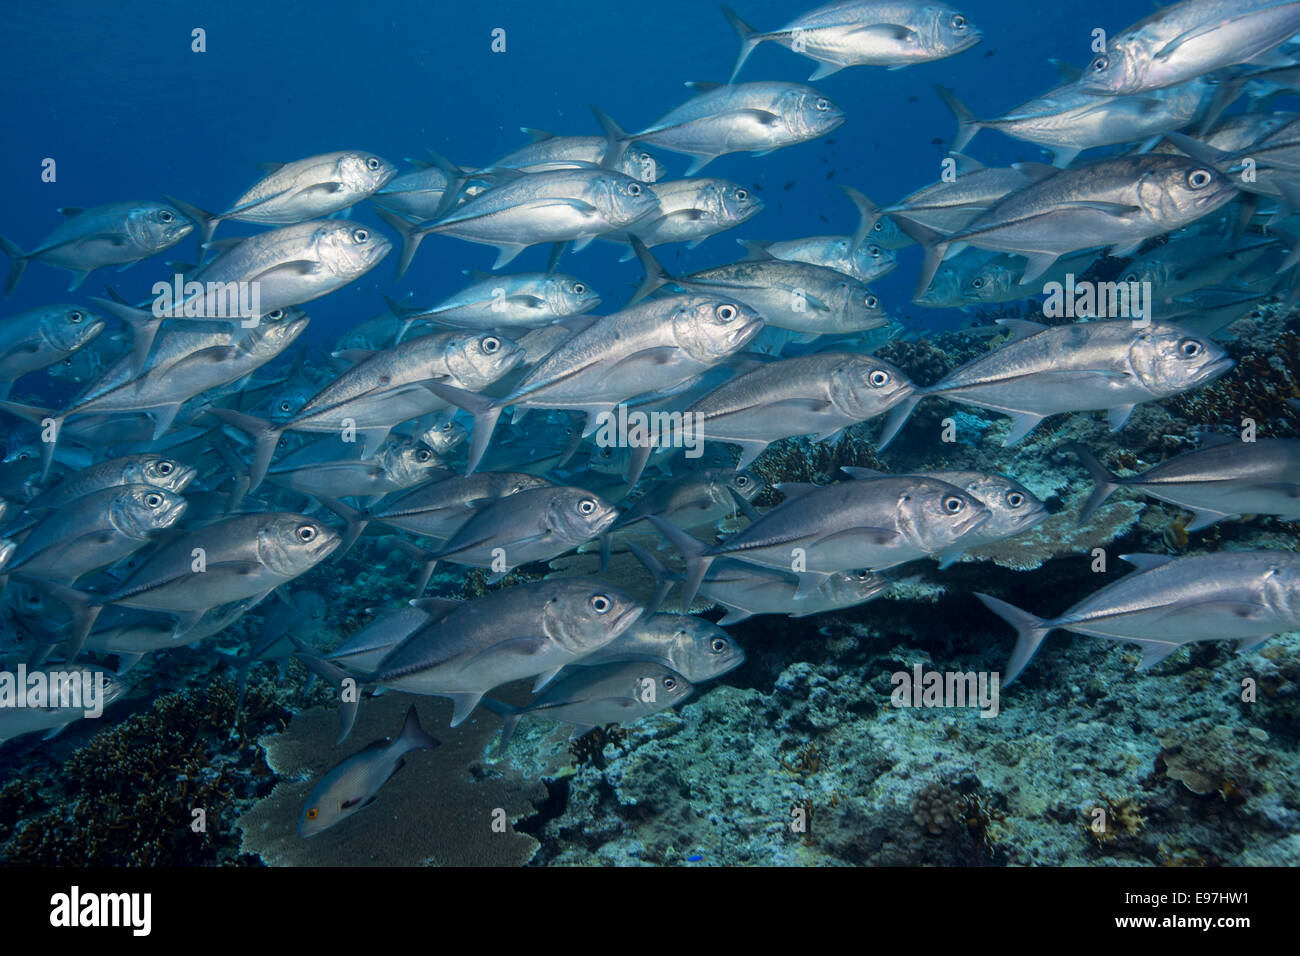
(670, 683)
(153, 499)
(75, 317)
(977, 283)
(1199, 178)
(165, 467)
(864, 575)
(742, 195)
(878, 227)
(579, 288)
(879, 378)
(634, 189)
(727, 313)
(586, 506)
(741, 481)
(719, 645)
(1099, 64)
(275, 315)
(361, 235)
(822, 104)
(601, 604)
(491, 344)
(871, 302)
(958, 22)
(165, 216)
(306, 533)
(423, 454)
(1015, 499)
(953, 505)
(1190, 348)
(875, 252)
(1131, 277)
(373, 163)
(68, 362)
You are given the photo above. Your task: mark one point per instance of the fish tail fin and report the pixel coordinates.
(356, 522)
(935, 245)
(456, 179)
(616, 137)
(655, 274)
(406, 313)
(1105, 481)
(206, 221)
(17, 264)
(694, 551)
(749, 38)
(641, 452)
(413, 736)
(510, 719)
(349, 704)
(84, 610)
(868, 215)
(427, 560)
(898, 417)
(967, 124)
(412, 235)
(485, 412)
(265, 438)
(1030, 631)
(143, 324)
(39, 417)
(664, 579)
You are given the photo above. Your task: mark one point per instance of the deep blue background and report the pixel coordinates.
(118, 99)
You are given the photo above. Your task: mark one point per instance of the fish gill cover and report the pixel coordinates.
(854, 435)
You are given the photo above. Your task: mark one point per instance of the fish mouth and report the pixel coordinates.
(1217, 368)
(626, 619)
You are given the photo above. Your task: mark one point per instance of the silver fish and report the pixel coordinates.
(1189, 39)
(354, 783)
(1044, 370)
(1231, 478)
(691, 210)
(69, 682)
(548, 152)
(39, 338)
(1247, 596)
(746, 117)
(694, 648)
(89, 239)
(529, 300)
(892, 33)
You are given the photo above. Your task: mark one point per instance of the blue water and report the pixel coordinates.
(118, 99)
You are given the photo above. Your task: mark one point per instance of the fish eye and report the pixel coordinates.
(491, 344)
(634, 189)
(75, 317)
(313, 813)
(1099, 64)
(1190, 348)
(977, 283)
(1015, 499)
(579, 288)
(373, 163)
(864, 575)
(285, 406)
(601, 604)
(153, 499)
(741, 481)
(875, 252)
(823, 104)
(670, 683)
(586, 506)
(1199, 178)
(306, 533)
(165, 467)
(423, 454)
(953, 505)
(1131, 277)
(165, 216)
(727, 313)
(275, 315)
(958, 22)
(446, 427)
(361, 235)
(742, 194)
(871, 302)
(878, 378)
(68, 362)
(718, 645)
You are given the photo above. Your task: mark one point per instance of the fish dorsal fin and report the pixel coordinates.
(270, 167)
(1068, 72)
(965, 164)
(1021, 328)
(537, 135)
(1145, 562)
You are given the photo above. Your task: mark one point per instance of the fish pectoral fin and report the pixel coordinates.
(462, 706)
(1118, 415)
(1145, 561)
(1037, 264)
(545, 678)
(825, 70)
(1022, 423)
(1153, 652)
(887, 31)
(1203, 518)
(810, 582)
